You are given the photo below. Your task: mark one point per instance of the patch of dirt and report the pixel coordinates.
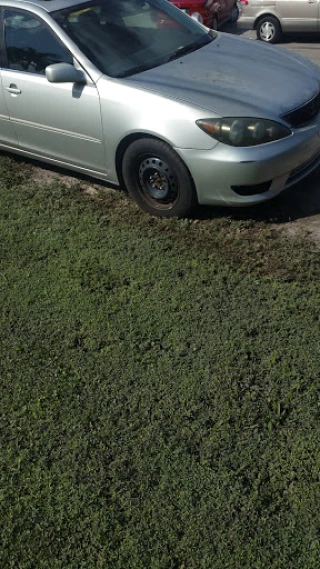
(306, 228)
(296, 212)
(45, 176)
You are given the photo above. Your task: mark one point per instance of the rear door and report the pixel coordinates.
(298, 15)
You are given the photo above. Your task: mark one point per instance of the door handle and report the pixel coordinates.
(13, 89)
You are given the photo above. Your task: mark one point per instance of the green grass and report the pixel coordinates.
(160, 392)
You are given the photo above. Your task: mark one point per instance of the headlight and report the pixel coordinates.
(243, 131)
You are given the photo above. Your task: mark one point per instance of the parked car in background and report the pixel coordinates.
(272, 18)
(176, 114)
(214, 13)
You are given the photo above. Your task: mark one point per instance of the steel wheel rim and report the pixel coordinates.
(158, 183)
(267, 31)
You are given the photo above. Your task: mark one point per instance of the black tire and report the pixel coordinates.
(269, 29)
(235, 14)
(157, 179)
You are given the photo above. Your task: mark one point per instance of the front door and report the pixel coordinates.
(298, 15)
(55, 120)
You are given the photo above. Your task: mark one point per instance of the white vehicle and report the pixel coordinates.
(272, 18)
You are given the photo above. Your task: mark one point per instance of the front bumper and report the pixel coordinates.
(282, 163)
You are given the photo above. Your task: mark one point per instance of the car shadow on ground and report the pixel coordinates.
(234, 28)
(300, 38)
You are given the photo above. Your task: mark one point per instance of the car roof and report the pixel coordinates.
(53, 5)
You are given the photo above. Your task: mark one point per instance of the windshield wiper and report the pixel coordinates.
(183, 50)
(137, 69)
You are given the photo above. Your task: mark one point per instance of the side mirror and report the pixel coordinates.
(64, 73)
(197, 17)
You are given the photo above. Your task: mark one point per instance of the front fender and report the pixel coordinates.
(126, 110)
(262, 14)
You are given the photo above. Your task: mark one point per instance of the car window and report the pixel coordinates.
(123, 36)
(30, 45)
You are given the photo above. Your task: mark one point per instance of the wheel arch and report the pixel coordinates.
(266, 15)
(124, 145)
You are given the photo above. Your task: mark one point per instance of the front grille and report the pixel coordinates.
(304, 114)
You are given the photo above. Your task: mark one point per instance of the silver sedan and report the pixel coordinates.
(136, 93)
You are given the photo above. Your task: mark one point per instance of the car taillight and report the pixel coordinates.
(244, 2)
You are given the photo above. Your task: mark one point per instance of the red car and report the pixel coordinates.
(213, 12)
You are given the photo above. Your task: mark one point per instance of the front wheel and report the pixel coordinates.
(269, 29)
(157, 179)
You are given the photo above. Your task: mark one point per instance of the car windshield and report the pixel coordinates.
(124, 37)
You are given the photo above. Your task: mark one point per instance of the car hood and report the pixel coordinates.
(236, 77)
